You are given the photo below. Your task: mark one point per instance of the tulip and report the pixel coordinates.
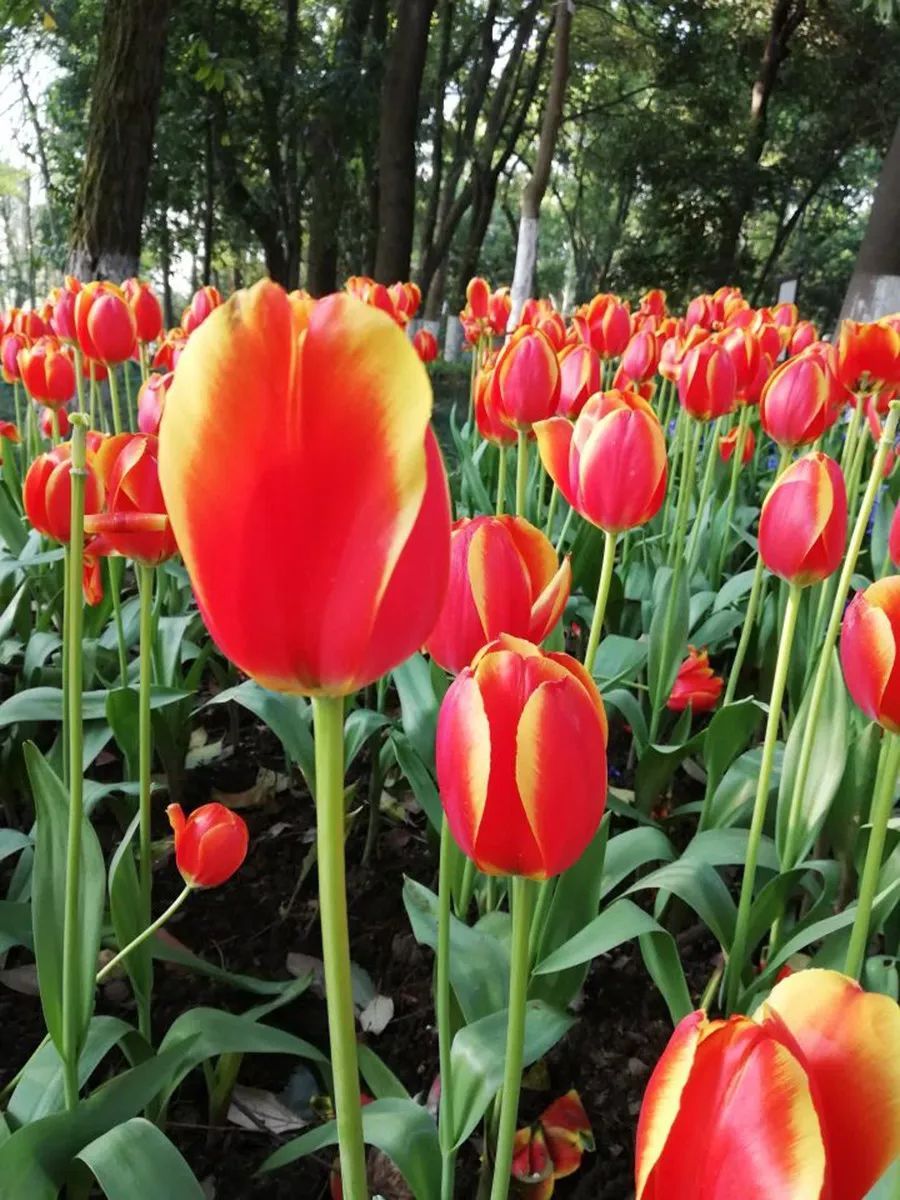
(47, 372)
(894, 538)
(707, 383)
(490, 424)
(803, 523)
(604, 324)
(675, 347)
(504, 578)
(802, 1102)
(10, 432)
(134, 523)
(580, 377)
(62, 319)
(169, 350)
(146, 309)
(653, 303)
(745, 352)
(551, 1148)
(426, 345)
(105, 324)
(869, 649)
(47, 492)
(499, 308)
(210, 844)
(696, 686)
(803, 336)
(553, 327)
(29, 324)
(478, 295)
(801, 398)
(641, 356)
(868, 355)
(151, 401)
(703, 311)
(525, 382)
(334, 465)
(405, 299)
(728, 444)
(62, 423)
(517, 729)
(204, 301)
(10, 348)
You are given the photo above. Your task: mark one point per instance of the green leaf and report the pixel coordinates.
(12, 524)
(479, 962)
(734, 589)
(137, 1159)
(48, 897)
(666, 653)
(419, 778)
(12, 841)
(170, 635)
(826, 769)
(702, 888)
(478, 1054)
(401, 1129)
(289, 718)
(728, 847)
(657, 766)
(618, 658)
(717, 628)
(735, 793)
(729, 732)
(358, 728)
(630, 850)
(418, 705)
(126, 911)
(379, 1077)
(888, 1186)
(168, 951)
(15, 925)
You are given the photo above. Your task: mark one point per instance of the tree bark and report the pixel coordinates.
(109, 210)
(533, 194)
(874, 289)
(397, 140)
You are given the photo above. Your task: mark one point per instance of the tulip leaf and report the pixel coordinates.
(419, 704)
(826, 769)
(857, 784)
(48, 897)
(717, 627)
(419, 779)
(727, 848)
(657, 766)
(630, 850)
(668, 635)
(360, 725)
(378, 1076)
(629, 707)
(618, 658)
(12, 526)
(734, 589)
(699, 607)
(12, 841)
(478, 1054)
(289, 718)
(888, 1186)
(137, 1159)
(127, 913)
(733, 797)
(729, 731)
(45, 704)
(479, 961)
(700, 887)
(169, 950)
(15, 925)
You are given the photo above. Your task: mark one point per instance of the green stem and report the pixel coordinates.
(560, 541)
(551, 510)
(144, 935)
(142, 351)
(466, 887)
(67, 567)
(79, 378)
(328, 720)
(522, 904)
(17, 401)
(739, 947)
(522, 473)
(95, 394)
(114, 397)
(882, 806)
(705, 489)
(55, 426)
(736, 463)
(606, 574)
(145, 755)
(675, 453)
(850, 438)
(130, 409)
(71, 984)
(442, 1005)
(501, 481)
(115, 588)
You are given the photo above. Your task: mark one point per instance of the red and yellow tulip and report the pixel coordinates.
(525, 381)
(707, 383)
(801, 398)
(803, 523)
(696, 686)
(870, 639)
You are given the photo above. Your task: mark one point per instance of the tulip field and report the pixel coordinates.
(499, 807)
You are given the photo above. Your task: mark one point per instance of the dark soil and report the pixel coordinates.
(622, 1028)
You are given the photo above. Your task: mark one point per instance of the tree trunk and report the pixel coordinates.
(397, 140)
(526, 249)
(874, 289)
(109, 210)
(209, 196)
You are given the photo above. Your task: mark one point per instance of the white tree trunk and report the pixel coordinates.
(526, 261)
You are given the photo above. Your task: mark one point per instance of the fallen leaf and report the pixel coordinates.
(377, 1015)
(21, 979)
(253, 1108)
(261, 792)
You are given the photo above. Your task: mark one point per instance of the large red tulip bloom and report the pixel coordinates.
(47, 492)
(604, 324)
(707, 382)
(306, 490)
(800, 1103)
(504, 578)
(803, 523)
(105, 324)
(868, 355)
(696, 686)
(525, 382)
(490, 423)
(519, 733)
(210, 844)
(611, 465)
(48, 372)
(870, 639)
(641, 356)
(579, 378)
(146, 309)
(801, 398)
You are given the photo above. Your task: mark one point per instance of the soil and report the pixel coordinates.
(622, 1028)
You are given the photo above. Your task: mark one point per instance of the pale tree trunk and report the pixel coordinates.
(526, 249)
(874, 289)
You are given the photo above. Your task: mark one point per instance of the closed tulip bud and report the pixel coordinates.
(499, 308)
(525, 382)
(517, 730)
(151, 401)
(62, 418)
(870, 639)
(674, 349)
(105, 324)
(47, 492)
(169, 350)
(145, 307)
(305, 487)
(30, 324)
(641, 356)
(728, 444)
(490, 424)
(801, 398)
(653, 303)
(478, 295)
(10, 348)
(62, 320)
(134, 522)
(868, 355)
(707, 384)
(204, 301)
(426, 345)
(611, 465)
(552, 325)
(210, 844)
(803, 336)
(10, 432)
(697, 686)
(803, 523)
(605, 324)
(91, 580)
(701, 311)
(641, 387)
(504, 578)
(744, 350)
(48, 372)
(580, 376)
(894, 538)
(801, 1102)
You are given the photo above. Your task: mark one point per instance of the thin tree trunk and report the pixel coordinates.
(874, 289)
(109, 210)
(208, 201)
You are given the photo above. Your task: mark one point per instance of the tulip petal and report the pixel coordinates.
(550, 604)
(463, 759)
(554, 439)
(849, 1042)
(499, 582)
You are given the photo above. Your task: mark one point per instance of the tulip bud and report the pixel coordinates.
(894, 538)
(499, 308)
(604, 324)
(801, 398)
(653, 303)
(745, 352)
(47, 492)
(611, 466)
(868, 355)
(151, 401)
(203, 302)
(707, 384)
(580, 377)
(641, 356)
(62, 320)
(517, 730)
(210, 844)
(48, 372)
(490, 424)
(728, 444)
(803, 523)
(702, 311)
(553, 327)
(105, 324)
(870, 639)
(62, 418)
(29, 324)
(504, 578)
(145, 307)
(478, 295)
(426, 345)
(169, 350)
(674, 349)
(10, 348)
(696, 685)
(525, 383)
(805, 333)
(135, 523)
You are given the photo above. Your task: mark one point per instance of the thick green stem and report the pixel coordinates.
(522, 474)
(606, 574)
(114, 397)
(501, 481)
(143, 936)
(675, 453)
(522, 904)
(466, 888)
(95, 396)
(739, 947)
(882, 806)
(145, 755)
(442, 1006)
(17, 402)
(130, 407)
(79, 377)
(328, 719)
(71, 983)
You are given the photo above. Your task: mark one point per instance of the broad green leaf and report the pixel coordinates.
(358, 728)
(734, 589)
(888, 1186)
(419, 779)
(629, 708)
(418, 705)
(137, 1159)
(12, 841)
(700, 887)
(734, 796)
(379, 1077)
(630, 850)
(170, 635)
(15, 925)
(657, 766)
(729, 732)
(126, 911)
(668, 636)
(12, 524)
(478, 1054)
(618, 658)
(169, 951)
(717, 628)
(401, 1129)
(289, 718)
(45, 704)
(727, 848)
(854, 793)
